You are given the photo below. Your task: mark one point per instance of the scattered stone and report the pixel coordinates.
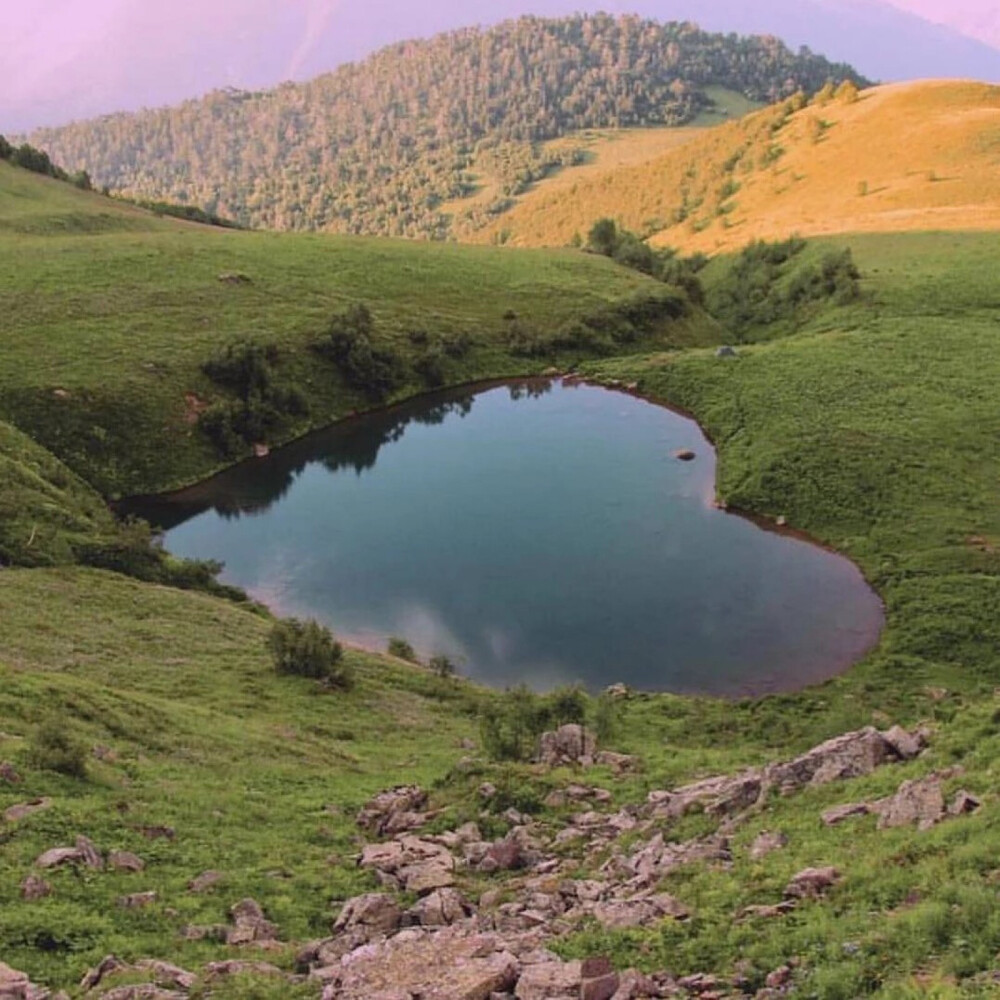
(143, 991)
(104, 753)
(906, 745)
(375, 912)
(240, 967)
(839, 814)
(15, 985)
(209, 932)
(235, 278)
(84, 853)
(397, 810)
(106, 967)
(34, 887)
(165, 974)
(249, 924)
(768, 912)
(441, 908)
(487, 791)
(724, 795)
(917, 802)
(158, 832)
(618, 762)
(685, 455)
(781, 976)
(9, 773)
(726, 352)
(812, 883)
(125, 861)
(570, 744)
(767, 843)
(15, 814)
(553, 980)
(617, 692)
(963, 803)
(639, 911)
(205, 881)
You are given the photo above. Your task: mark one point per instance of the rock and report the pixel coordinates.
(779, 977)
(34, 887)
(918, 802)
(125, 861)
(249, 924)
(503, 855)
(211, 932)
(550, 981)
(617, 691)
(633, 985)
(235, 278)
(204, 881)
(15, 985)
(383, 814)
(849, 756)
(158, 832)
(14, 814)
(165, 974)
(963, 803)
(638, 911)
(906, 745)
(685, 455)
(618, 762)
(724, 795)
(487, 790)
(143, 991)
(261, 450)
(767, 843)
(108, 965)
(569, 744)
(85, 853)
(839, 814)
(239, 967)
(426, 878)
(812, 883)
(9, 773)
(137, 900)
(768, 912)
(441, 908)
(726, 352)
(451, 964)
(374, 912)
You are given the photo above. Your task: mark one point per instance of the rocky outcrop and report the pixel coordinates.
(84, 853)
(14, 814)
(812, 883)
(398, 810)
(15, 985)
(414, 864)
(569, 745)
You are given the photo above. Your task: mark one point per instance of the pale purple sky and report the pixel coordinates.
(65, 59)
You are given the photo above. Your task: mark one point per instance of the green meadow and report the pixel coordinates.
(873, 427)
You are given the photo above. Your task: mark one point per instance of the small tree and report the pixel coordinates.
(402, 649)
(308, 649)
(442, 666)
(603, 237)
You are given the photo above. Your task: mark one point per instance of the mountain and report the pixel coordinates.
(901, 157)
(377, 147)
(121, 55)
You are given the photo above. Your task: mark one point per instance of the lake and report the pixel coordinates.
(539, 532)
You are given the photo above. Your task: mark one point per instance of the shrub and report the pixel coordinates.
(348, 343)
(54, 748)
(511, 724)
(402, 649)
(442, 666)
(308, 649)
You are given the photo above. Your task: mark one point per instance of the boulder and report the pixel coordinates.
(685, 455)
(441, 908)
(137, 900)
(906, 745)
(240, 967)
(374, 912)
(552, 980)
(397, 810)
(569, 744)
(620, 763)
(726, 352)
(90, 856)
(766, 843)
(107, 966)
(125, 861)
(812, 883)
(14, 814)
(9, 774)
(724, 795)
(919, 802)
(639, 911)
(83, 854)
(963, 803)
(166, 974)
(249, 924)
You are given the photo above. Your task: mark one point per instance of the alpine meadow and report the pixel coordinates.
(207, 794)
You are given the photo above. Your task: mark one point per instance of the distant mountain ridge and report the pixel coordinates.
(377, 147)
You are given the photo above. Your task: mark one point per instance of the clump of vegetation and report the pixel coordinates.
(511, 724)
(348, 342)
(38, 161)
(308, 649)
(402, 649)
(761, 285)
(54, 747)
(443, 666)
(262, 405)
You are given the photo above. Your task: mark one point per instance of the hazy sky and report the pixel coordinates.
(61, 59)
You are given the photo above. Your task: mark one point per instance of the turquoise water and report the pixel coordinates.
(536, 532)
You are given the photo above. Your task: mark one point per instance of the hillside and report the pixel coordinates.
(873, 428)
(377, 147)
(904, 157)
(118, 311)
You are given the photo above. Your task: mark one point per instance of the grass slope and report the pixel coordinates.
(112, 311)
(904, 158)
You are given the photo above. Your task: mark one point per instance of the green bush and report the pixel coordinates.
(402, 649)
(53, 747)
(308, 649)
(511, 723)
(442, 666)
(348, 343)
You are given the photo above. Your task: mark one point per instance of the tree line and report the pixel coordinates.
(383, 146)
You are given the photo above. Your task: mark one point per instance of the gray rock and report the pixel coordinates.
(250, 926)
(125, 861)
(204, 881)
(570, 744)
(14, 814)
(137, 900)
(840, 814)
(376, 912)
(35, 887)
(919, 802)
(812, 883)
(550, 981)
(397, 810)
(767, 843)
(726, 352)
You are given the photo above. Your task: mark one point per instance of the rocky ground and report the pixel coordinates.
(425, 935)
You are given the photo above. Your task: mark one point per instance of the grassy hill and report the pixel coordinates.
(118, 310)
(377, 147)
(902, 158)
(871, 426)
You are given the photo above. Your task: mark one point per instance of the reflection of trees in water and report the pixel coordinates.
(532, 388)
(254, 487)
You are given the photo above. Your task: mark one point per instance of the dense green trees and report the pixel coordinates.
(381, 146)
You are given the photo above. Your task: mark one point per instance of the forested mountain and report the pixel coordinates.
(377, 147)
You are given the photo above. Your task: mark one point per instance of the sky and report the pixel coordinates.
(67, 59)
